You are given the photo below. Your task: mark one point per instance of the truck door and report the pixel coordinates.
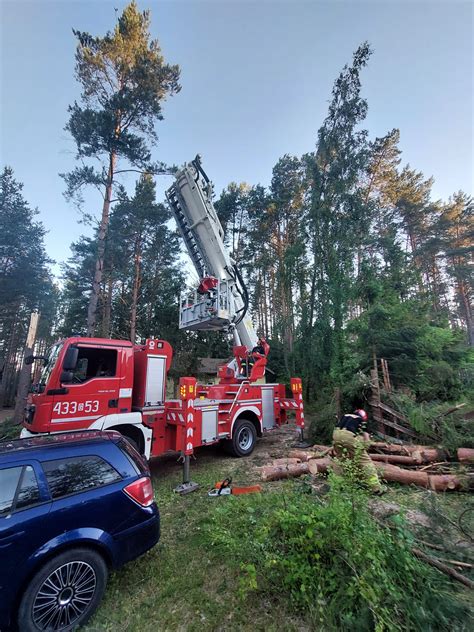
(93, 392)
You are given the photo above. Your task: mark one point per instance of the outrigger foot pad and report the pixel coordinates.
(186, 488)
(302, 444)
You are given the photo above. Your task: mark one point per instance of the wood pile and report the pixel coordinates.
(423, 466)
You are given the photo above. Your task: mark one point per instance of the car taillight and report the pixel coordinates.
(141, 491)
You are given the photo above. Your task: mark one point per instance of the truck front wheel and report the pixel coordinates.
(243, 439)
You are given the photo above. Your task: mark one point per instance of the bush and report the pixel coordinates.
(333, 562)
(451, 431)
(9, 430)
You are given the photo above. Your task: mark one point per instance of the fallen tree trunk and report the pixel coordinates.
(302, 455)
(286, 461)
(405, 455)
(465, 455)
(436, 482)
(443, 482)
(421, 453)
(394, 458)
(399, 475)
(432, 561)
(387, 471)
(277, 472)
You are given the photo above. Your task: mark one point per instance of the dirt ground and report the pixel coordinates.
(5, 413)
(275, 444)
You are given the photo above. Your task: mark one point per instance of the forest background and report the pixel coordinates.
(347, 256)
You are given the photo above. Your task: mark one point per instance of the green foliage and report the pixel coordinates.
(24, 276)
(26, 283)
(450, 430)
(334, 562)
(9, 430)
(422, 354)
(124, 81)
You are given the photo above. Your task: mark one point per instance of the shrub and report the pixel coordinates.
(333, 562)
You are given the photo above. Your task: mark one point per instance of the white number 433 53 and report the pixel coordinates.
(71, 408)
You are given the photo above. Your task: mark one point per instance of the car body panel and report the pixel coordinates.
(104, 518)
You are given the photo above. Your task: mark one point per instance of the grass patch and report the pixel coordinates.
(328, 558)
(213, 568)
(185, 583)
(9, 430)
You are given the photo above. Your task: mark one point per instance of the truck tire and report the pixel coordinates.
(68, 588)
(243, 439)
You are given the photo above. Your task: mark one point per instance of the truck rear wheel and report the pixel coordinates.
(243, 439)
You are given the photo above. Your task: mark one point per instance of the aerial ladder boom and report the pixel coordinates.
(221, 300)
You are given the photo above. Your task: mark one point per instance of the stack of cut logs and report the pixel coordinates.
(422, 466)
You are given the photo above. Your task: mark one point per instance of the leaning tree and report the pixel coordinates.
(124, 81)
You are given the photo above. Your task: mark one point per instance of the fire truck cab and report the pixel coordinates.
(100, 384)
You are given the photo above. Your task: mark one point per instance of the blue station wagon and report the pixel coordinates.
(72, 507)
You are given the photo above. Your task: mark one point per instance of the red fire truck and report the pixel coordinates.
(97, 383)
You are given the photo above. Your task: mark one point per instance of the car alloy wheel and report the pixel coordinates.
(64, 596)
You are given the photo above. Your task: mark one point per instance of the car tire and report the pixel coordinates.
(244, 438)
(56, 595)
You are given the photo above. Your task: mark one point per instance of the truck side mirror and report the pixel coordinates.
(31, 358)
(70, 359)
(66, 377)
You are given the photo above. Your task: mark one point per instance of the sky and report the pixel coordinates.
(256, 80)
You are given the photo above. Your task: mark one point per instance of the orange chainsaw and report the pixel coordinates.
(223, 488)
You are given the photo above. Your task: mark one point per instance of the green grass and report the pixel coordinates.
(9, 430)
(183, 584)
(186, 583)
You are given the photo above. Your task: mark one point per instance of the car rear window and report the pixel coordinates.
(138, 461)
(78, 474)
(18, 488)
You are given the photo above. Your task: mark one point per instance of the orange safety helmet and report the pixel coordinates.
(361, 412)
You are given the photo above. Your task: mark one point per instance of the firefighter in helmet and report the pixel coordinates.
(350, 442)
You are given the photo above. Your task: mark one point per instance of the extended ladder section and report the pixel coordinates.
(223, 304)
(194, 250)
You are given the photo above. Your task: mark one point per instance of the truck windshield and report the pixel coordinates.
(49, 364)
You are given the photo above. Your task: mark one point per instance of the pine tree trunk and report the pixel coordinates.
(467, 312)
(25, 374)
(107, 308)
(9, 361)
(135, 290)
(99, 264)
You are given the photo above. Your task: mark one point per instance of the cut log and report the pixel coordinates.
(277, 472)
(387, 471)
(443, 482)
(390, 448)
(321, 448)
(466, 455)
(394, 459)
(302, 455)
(437, 482)
(319, 466)
(420, 452)
(399, 475)
(286, 461)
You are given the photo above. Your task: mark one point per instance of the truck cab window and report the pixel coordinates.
(93, 362)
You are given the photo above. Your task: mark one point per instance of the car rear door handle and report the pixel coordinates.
(8, 539)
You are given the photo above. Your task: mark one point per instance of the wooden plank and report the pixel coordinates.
(392, 412)
(402, 429)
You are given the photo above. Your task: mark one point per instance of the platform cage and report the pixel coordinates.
(206, 312)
